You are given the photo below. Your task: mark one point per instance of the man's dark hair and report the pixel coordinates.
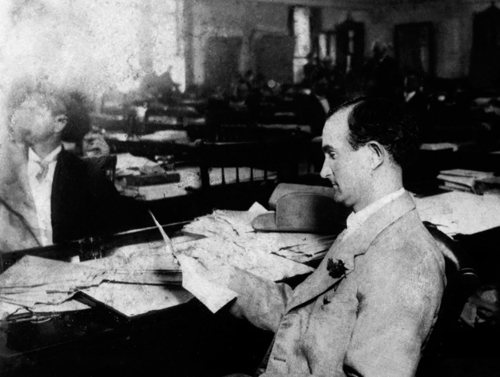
(383, 121)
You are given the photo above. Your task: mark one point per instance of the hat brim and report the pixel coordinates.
(265, 222)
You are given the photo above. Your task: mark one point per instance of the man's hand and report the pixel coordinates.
(208, 266)
(95, 145)
(216, 270)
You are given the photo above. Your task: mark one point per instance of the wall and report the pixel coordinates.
(452, 20)
(249, 19)
(230, 18)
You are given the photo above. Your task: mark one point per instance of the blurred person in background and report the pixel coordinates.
(72, 198)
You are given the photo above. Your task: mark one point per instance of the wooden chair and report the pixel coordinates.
(249, 170)
(462, 281)
(106, 163)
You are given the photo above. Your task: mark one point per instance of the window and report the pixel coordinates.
(97, 44)
(302, 34)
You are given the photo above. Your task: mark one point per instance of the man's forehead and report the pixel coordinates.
(34, 100)
(336, 126)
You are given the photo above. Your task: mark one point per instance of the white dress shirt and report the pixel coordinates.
(356, 219)
(41, 189)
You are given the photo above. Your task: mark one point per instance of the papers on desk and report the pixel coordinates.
(135, 273)
(459, 212)
(235, 227)
(189, 179)
(131, 170)
(134, 279)
(231, 242)
(127, 164)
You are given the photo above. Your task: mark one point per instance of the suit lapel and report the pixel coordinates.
(63, 186)
(57, 185)
(347, 248)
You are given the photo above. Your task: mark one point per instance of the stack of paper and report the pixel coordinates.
(461, 179)
(459, 212)
(490, 185)
(235, 227)
(439, 146)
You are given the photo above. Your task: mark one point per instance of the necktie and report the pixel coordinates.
(44, 168)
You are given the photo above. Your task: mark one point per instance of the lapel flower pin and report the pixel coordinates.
(336, 269)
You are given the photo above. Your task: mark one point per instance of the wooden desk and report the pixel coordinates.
(182, 340)
(186, 340)
(190, 181)
(168, 142)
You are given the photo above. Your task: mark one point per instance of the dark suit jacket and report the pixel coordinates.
(84, 202)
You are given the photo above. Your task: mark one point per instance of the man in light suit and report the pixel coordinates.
(370, 306)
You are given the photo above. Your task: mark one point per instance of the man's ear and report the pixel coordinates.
(60, 122)
(377, 154)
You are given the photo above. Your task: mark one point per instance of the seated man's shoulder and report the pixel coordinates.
(405, 249)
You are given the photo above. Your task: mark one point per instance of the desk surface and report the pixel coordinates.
(178, 341)
(92, 342)
(185, 340)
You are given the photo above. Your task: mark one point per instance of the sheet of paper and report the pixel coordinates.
(196, 280)
(35, 281)
(40, 284)
(135, 299)
(244, 256)
(460, 212)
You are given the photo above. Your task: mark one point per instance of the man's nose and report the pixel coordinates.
(325, 170)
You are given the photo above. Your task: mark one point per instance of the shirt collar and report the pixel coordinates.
(51, 157)
(356, 219)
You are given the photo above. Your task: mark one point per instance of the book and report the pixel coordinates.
(467, 173)
(457, 180)
(490, 185)
(152, 192)
(462, 179)
(450, 186)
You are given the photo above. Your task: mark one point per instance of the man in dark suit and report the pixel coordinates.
(72, 198)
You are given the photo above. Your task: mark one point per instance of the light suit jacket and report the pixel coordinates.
(373, 321)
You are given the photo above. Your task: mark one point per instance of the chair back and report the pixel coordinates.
(234, 175)
(461, 282)
(272, 159)
(106, 163)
